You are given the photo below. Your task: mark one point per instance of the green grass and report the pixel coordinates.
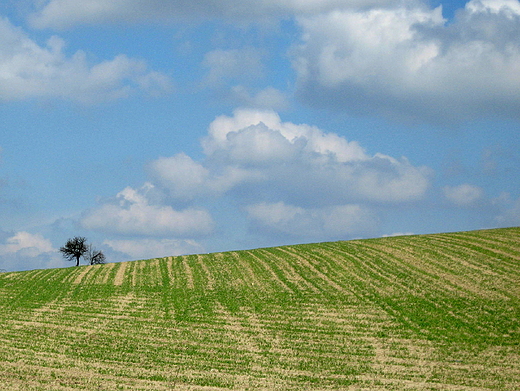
(430, 312)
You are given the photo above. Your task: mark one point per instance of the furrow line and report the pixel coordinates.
(270, 270)
(198, 274)
(384, 271)
(377, 293)
(447, 272)
(250, 275)
(472, 270)
(315, 271)
(289, 269)
(505, 266)
(107, 269)
(188, 271)
(227, 271)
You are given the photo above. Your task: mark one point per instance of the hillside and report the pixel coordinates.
(430, 312)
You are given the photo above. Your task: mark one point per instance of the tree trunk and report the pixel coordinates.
(77, 261)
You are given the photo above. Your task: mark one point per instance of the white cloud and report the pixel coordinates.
(327, 222)
(289, 178)
(188, 176)
(133, 214)
(260, 135)
(408, 62)
(302, 161)
(185, 179)
(26, 251)
(31, 245)
(28, 70)
(463, 195)
(509, 7)
(154, 248)
(67, 13)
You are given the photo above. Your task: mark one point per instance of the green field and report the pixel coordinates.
(429, 312)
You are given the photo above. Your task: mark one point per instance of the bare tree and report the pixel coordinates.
(75, 248)
(94, 257)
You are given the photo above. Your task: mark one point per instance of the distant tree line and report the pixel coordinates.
(77, 248)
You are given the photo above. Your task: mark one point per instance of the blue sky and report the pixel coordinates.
(158, 128)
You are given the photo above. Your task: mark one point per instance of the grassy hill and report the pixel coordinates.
(430, 312)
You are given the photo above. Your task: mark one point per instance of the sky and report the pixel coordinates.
(169, 127)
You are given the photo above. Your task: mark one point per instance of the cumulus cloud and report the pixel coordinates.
(463, 195)
(408, 62)
(132, 214)
(266, 127)
(185, 179)
(28, 70)
(329, 222)
(67, 13)
(188, 176)
(155, 248)
(302, 162)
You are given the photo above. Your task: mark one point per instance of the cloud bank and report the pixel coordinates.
(132, 213)
(400, 60)
(28, 70)
(409, 63)
(312, 223)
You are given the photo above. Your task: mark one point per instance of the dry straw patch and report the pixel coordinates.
(188, 273)
(120, 275)
(210, 280)
(84, 272)
(169, 266)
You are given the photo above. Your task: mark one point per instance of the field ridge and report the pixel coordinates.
(421, 312)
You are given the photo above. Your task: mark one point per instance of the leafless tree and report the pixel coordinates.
(94, 257)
